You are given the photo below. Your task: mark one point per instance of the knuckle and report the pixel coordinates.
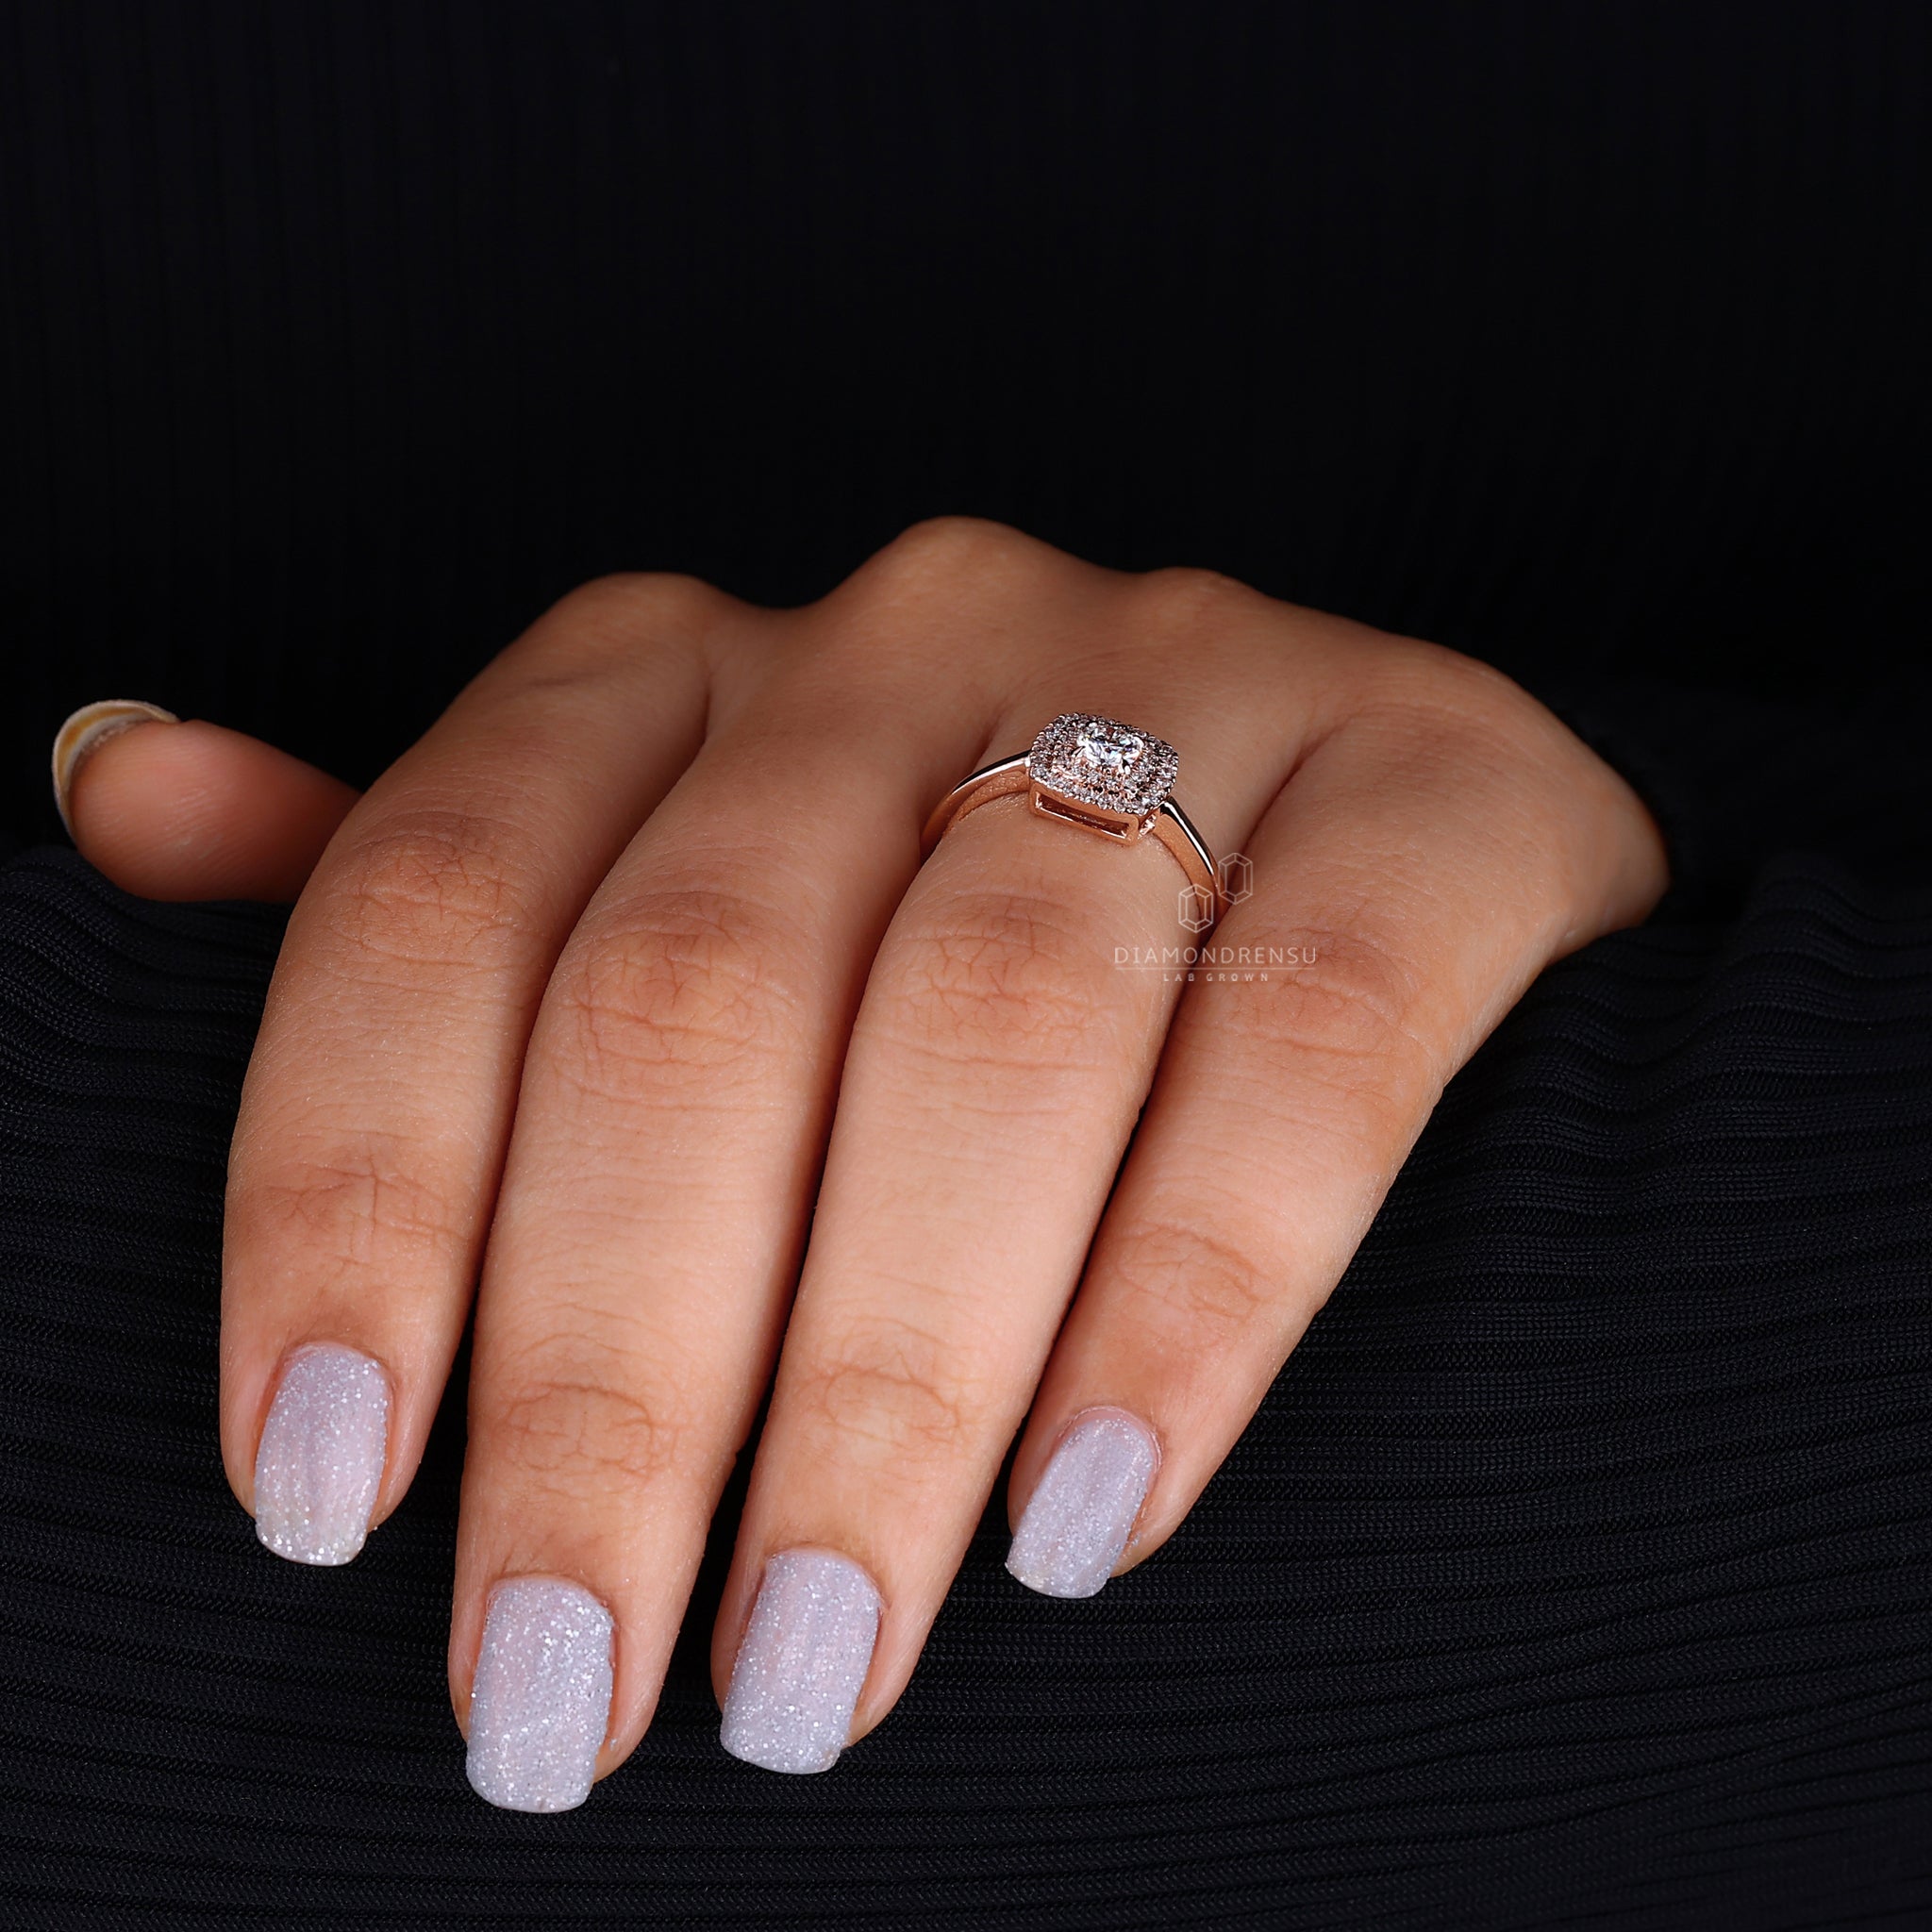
(1448, 701)
(1003, 976)
(944, 551)
(692, 978)
(1184, 601)
(599, 624)
(357, 1200)
(580, 1423)
(949, 539)
(622, 601)
(1355, 1000)
(430, 888)
(895, 1388)
(1553, 820)
(923, 604)
(1209, 1285)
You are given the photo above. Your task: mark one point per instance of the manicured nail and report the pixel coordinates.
(87, 730)
(1082, 1511)
(541, 1708)
(322, 1453)
(802, 1663)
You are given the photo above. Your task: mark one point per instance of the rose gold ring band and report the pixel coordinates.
(1104, 778)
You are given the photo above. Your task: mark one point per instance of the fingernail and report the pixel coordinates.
(802, 1663)
(541, 1708)
(1082, 1511)
(87, 730)
(323, 1449)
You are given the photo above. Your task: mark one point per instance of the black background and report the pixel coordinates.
(342, 338)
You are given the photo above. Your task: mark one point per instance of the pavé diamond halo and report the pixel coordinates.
(1102, 773)
(1103, 776)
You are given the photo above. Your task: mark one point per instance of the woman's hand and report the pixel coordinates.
(581, 995)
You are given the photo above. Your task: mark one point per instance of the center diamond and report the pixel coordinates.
(1108, 746)
(1103, 767)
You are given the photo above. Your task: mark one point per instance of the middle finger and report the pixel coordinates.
(644, 1249)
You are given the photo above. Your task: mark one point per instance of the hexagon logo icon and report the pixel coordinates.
(1196, 908)
(1237, 877)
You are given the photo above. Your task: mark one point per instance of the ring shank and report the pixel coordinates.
(1011, 777)
(990, 782)
(1175, 830)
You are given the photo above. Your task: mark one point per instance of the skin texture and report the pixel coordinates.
(631, 961)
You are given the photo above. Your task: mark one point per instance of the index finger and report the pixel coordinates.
(377, 1102)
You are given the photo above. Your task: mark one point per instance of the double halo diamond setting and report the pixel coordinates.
(1103, 776)
(1120, 776)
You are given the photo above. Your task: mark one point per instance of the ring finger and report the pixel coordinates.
(994, 1077)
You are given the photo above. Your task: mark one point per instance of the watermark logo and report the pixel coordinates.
(1204, 958)
(1237, 874)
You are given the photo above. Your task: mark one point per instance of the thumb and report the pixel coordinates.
(169, 809)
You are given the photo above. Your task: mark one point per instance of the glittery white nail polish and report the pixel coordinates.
(802, 1663)
(541, 1706)
(1082, 1511)
(323, 1448)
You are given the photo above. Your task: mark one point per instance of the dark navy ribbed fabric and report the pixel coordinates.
(1578, 1571)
